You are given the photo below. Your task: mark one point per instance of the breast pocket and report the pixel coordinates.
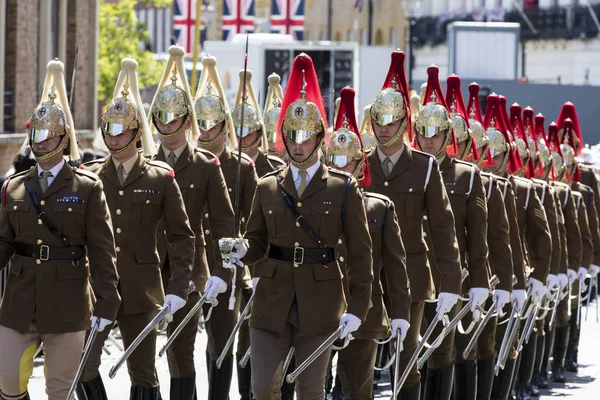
(458, 200)
(274, 216)
(330, 224)
(70, 219)
(18, 215)
(150, 206)
(409, 201)
(193, 197)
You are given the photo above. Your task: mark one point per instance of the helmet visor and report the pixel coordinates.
(165, 117)
(384, 119)
(113, 128)
(429, 131)
(207, 124)
(299, 136)
(39, 135)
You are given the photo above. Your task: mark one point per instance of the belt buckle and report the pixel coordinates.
(298, 256)
(44, 252)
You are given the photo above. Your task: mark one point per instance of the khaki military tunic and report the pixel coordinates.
(518, 259)
(57, 294)
(266, 163)
(587, 246)
(546, 196)
(332, 205)
(588, 178)
(149, 194)
(587, 198)
(202, 187)
(417, 190)
(572, 232)
(533, 226)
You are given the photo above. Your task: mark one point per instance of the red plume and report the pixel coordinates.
(397, 74)
(517, 124)
(568, 111)
(493, 113)
(302, 62)
(475, 113)
(508, 127)
(347, 113)
(434, 87)
(455, 99)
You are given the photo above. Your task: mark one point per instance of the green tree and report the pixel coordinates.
(121, 34)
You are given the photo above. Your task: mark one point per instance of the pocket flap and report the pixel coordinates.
(68, 271)
(16, 265)
(326, 209)
(74, 208)
(145, 198)
(143, 256)
(15, 206)
(327, 272)
(275, 208)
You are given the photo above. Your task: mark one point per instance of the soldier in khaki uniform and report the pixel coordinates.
(298, 215)
(355, 363)
(411, 179)
(55, 226)
(435, 126)
(255, 145)
(500, 263)
(216, 126)
(203, 187)
(140, 193)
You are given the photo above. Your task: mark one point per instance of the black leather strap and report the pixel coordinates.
(45, 253)
(46, 220)
(301, 255)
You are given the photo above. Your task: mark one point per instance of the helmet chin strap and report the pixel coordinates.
(401, 130)
(501, 171)
(254, 145)
(168, 136)
(210, 143)
(60, 148)
(311, 158)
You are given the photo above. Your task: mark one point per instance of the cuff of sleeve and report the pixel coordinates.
(107, 310)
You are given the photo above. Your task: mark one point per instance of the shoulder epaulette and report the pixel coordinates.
(87, 173)
(160, 164)
(276, 160)
(377, 196)
(93, 162)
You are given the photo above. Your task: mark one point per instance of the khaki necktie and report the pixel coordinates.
(171, 160)
(121, 174)
(387, 166)
(44, 181)
(303, 175)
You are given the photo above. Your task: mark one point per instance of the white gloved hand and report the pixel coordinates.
(255, 283)
(479, 296)
(501, 297)
(563, 281)
(214, 287)
(540, 294)
(239, 250)
(103, 323)
(594, 269)
(519, 296)
(445, 303)
(174, 303)
(582, 273)
(401, 324)
(572, 275)
(535, 287)
(552, 282)
(352, 324)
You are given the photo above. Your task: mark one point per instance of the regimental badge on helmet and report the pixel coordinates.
(171, 102)
(120, 115)
(48, 120)
(344, 147)
(209, 109)
(252, 116)
(389, 106)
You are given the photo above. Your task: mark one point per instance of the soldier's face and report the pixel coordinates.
(121, 140)
(433, 144)
(212, 133)
(385, 133)
(301, 152)
(171, 127)
(497, 162)
(249, 139)
(46, 146)
(461, 147)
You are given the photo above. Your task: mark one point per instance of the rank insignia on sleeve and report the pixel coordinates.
(480, 203)
(540, 214)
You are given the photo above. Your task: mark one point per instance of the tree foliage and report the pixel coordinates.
(121, 35)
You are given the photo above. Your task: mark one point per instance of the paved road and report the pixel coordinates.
(582, 386)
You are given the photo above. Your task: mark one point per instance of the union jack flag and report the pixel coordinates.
(184, 23)
(238, 17)
(287, 16)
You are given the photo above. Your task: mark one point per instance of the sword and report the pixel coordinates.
(532, 311)
(286, 364)
(589, 298)
(399, 349)
(246, 358)
(508, 339)
(236, 328)
(579, 289)
(86, 353)
(320, 350)
(569, 300)
(162, 314)
(479, 330)
(182, 325)
(554, 310)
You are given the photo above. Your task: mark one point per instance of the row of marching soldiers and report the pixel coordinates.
(401, 241)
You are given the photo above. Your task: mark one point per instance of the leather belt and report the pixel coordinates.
(300, 255)
(45, 252)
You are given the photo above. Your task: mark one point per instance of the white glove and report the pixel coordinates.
(401, 324)
(479, 296)
(540, 293)
(232, 262)
(240, 249)
(552, 281)
(501, 297)
(572, 275)
(103, 323)
(352, 324)
(519, 296)
(594, 269)
(582, 273)
(445, 303)
(563, 281)
(535, 287)
(214, 287)
(255, 283)
(175, 303)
